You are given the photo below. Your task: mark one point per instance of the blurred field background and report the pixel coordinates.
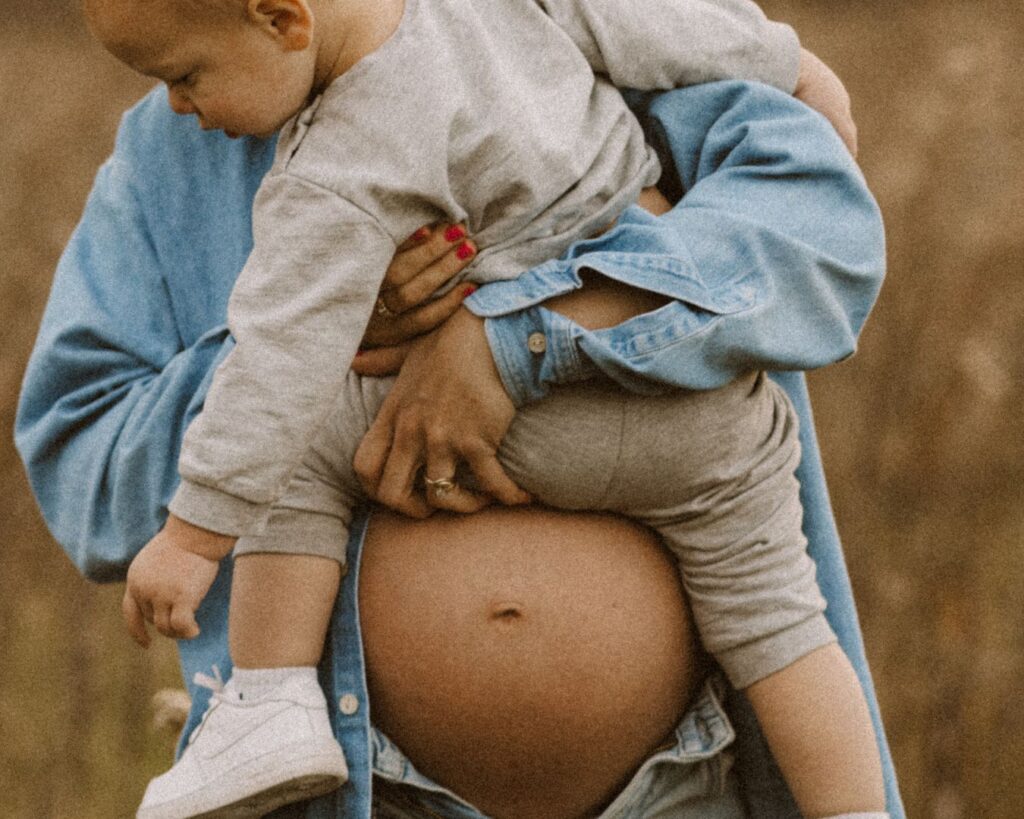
(922, 431)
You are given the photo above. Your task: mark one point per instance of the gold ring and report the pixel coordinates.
(440, 486)
(383, 310)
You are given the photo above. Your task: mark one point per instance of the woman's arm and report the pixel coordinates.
(800, 225)
(775, 257)
(110, 386)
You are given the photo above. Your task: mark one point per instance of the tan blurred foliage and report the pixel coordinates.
(921, 431)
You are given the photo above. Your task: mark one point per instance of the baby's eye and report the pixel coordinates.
(186, 80)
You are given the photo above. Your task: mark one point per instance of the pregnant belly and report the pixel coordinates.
(527, 659)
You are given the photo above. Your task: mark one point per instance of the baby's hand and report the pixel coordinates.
(819, 87)
(168, 580)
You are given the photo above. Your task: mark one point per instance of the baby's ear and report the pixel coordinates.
(290, 22)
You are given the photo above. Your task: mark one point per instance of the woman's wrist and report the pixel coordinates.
(604, 302)
(538, 347)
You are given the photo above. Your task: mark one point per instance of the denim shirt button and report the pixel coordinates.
(536, 343)
(348, 704)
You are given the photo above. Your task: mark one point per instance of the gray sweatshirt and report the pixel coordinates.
(503, 114)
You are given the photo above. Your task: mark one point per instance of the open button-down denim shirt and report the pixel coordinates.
(775, 263)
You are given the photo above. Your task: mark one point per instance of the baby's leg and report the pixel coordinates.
(286, 578)
(713, 472)
(266, 739)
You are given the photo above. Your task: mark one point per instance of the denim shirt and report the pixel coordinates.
(778, 259)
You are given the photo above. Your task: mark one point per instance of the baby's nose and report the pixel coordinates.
(180, 103)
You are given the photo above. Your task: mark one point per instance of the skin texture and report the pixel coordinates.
(818, 727)
(560, 641)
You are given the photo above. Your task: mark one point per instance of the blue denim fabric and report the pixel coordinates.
(134, 329)
(773, 258)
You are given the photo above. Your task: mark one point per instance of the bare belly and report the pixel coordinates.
(525, 658)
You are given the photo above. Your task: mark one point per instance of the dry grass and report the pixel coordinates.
(921, 431)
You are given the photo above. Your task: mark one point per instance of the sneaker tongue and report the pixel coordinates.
(233, 691)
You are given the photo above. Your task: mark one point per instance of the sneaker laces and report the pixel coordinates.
(218, 694)
(214, 683)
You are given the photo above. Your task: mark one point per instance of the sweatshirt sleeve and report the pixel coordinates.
(663, 44)
(297, 313)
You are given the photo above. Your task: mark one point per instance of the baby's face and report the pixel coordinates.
(234, 73)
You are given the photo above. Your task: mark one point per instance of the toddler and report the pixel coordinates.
(504, 117)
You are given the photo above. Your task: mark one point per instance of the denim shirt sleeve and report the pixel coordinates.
(772, 258)
(108, 390)
(130, 337)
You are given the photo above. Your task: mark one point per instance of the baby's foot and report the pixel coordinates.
(249, 756)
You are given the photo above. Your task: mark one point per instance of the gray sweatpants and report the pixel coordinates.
(712, 472)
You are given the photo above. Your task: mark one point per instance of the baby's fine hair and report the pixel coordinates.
(226, 8)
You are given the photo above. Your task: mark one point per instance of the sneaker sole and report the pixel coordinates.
(262, 803)
(300, 773)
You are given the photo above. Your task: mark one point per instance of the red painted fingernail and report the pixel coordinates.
(454, 233)
(469, 291)
(420, 235)
(464, 251)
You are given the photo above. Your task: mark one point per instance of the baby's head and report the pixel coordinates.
(241, 66)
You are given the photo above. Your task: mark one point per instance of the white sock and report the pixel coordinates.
(256, 683)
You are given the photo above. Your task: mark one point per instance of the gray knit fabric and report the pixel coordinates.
(501, 114)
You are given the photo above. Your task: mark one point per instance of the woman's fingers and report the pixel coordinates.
(457, 499)
(406, 308)
(440, 489)
(380, 361)
(493, 479)
(389, 331)
(419, 288)
(418, 255)
(417, 237)
(372, 453)
(397, 488)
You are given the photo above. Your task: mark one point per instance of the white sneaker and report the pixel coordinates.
(246, 758)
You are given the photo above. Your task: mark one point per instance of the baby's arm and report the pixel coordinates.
(815, 718)
(298, 312)
(663, 44)
(171, 575)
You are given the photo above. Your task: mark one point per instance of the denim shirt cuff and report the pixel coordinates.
(533, 350)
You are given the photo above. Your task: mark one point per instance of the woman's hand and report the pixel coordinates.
(818, 87)
(447, 406)
(424, 262)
